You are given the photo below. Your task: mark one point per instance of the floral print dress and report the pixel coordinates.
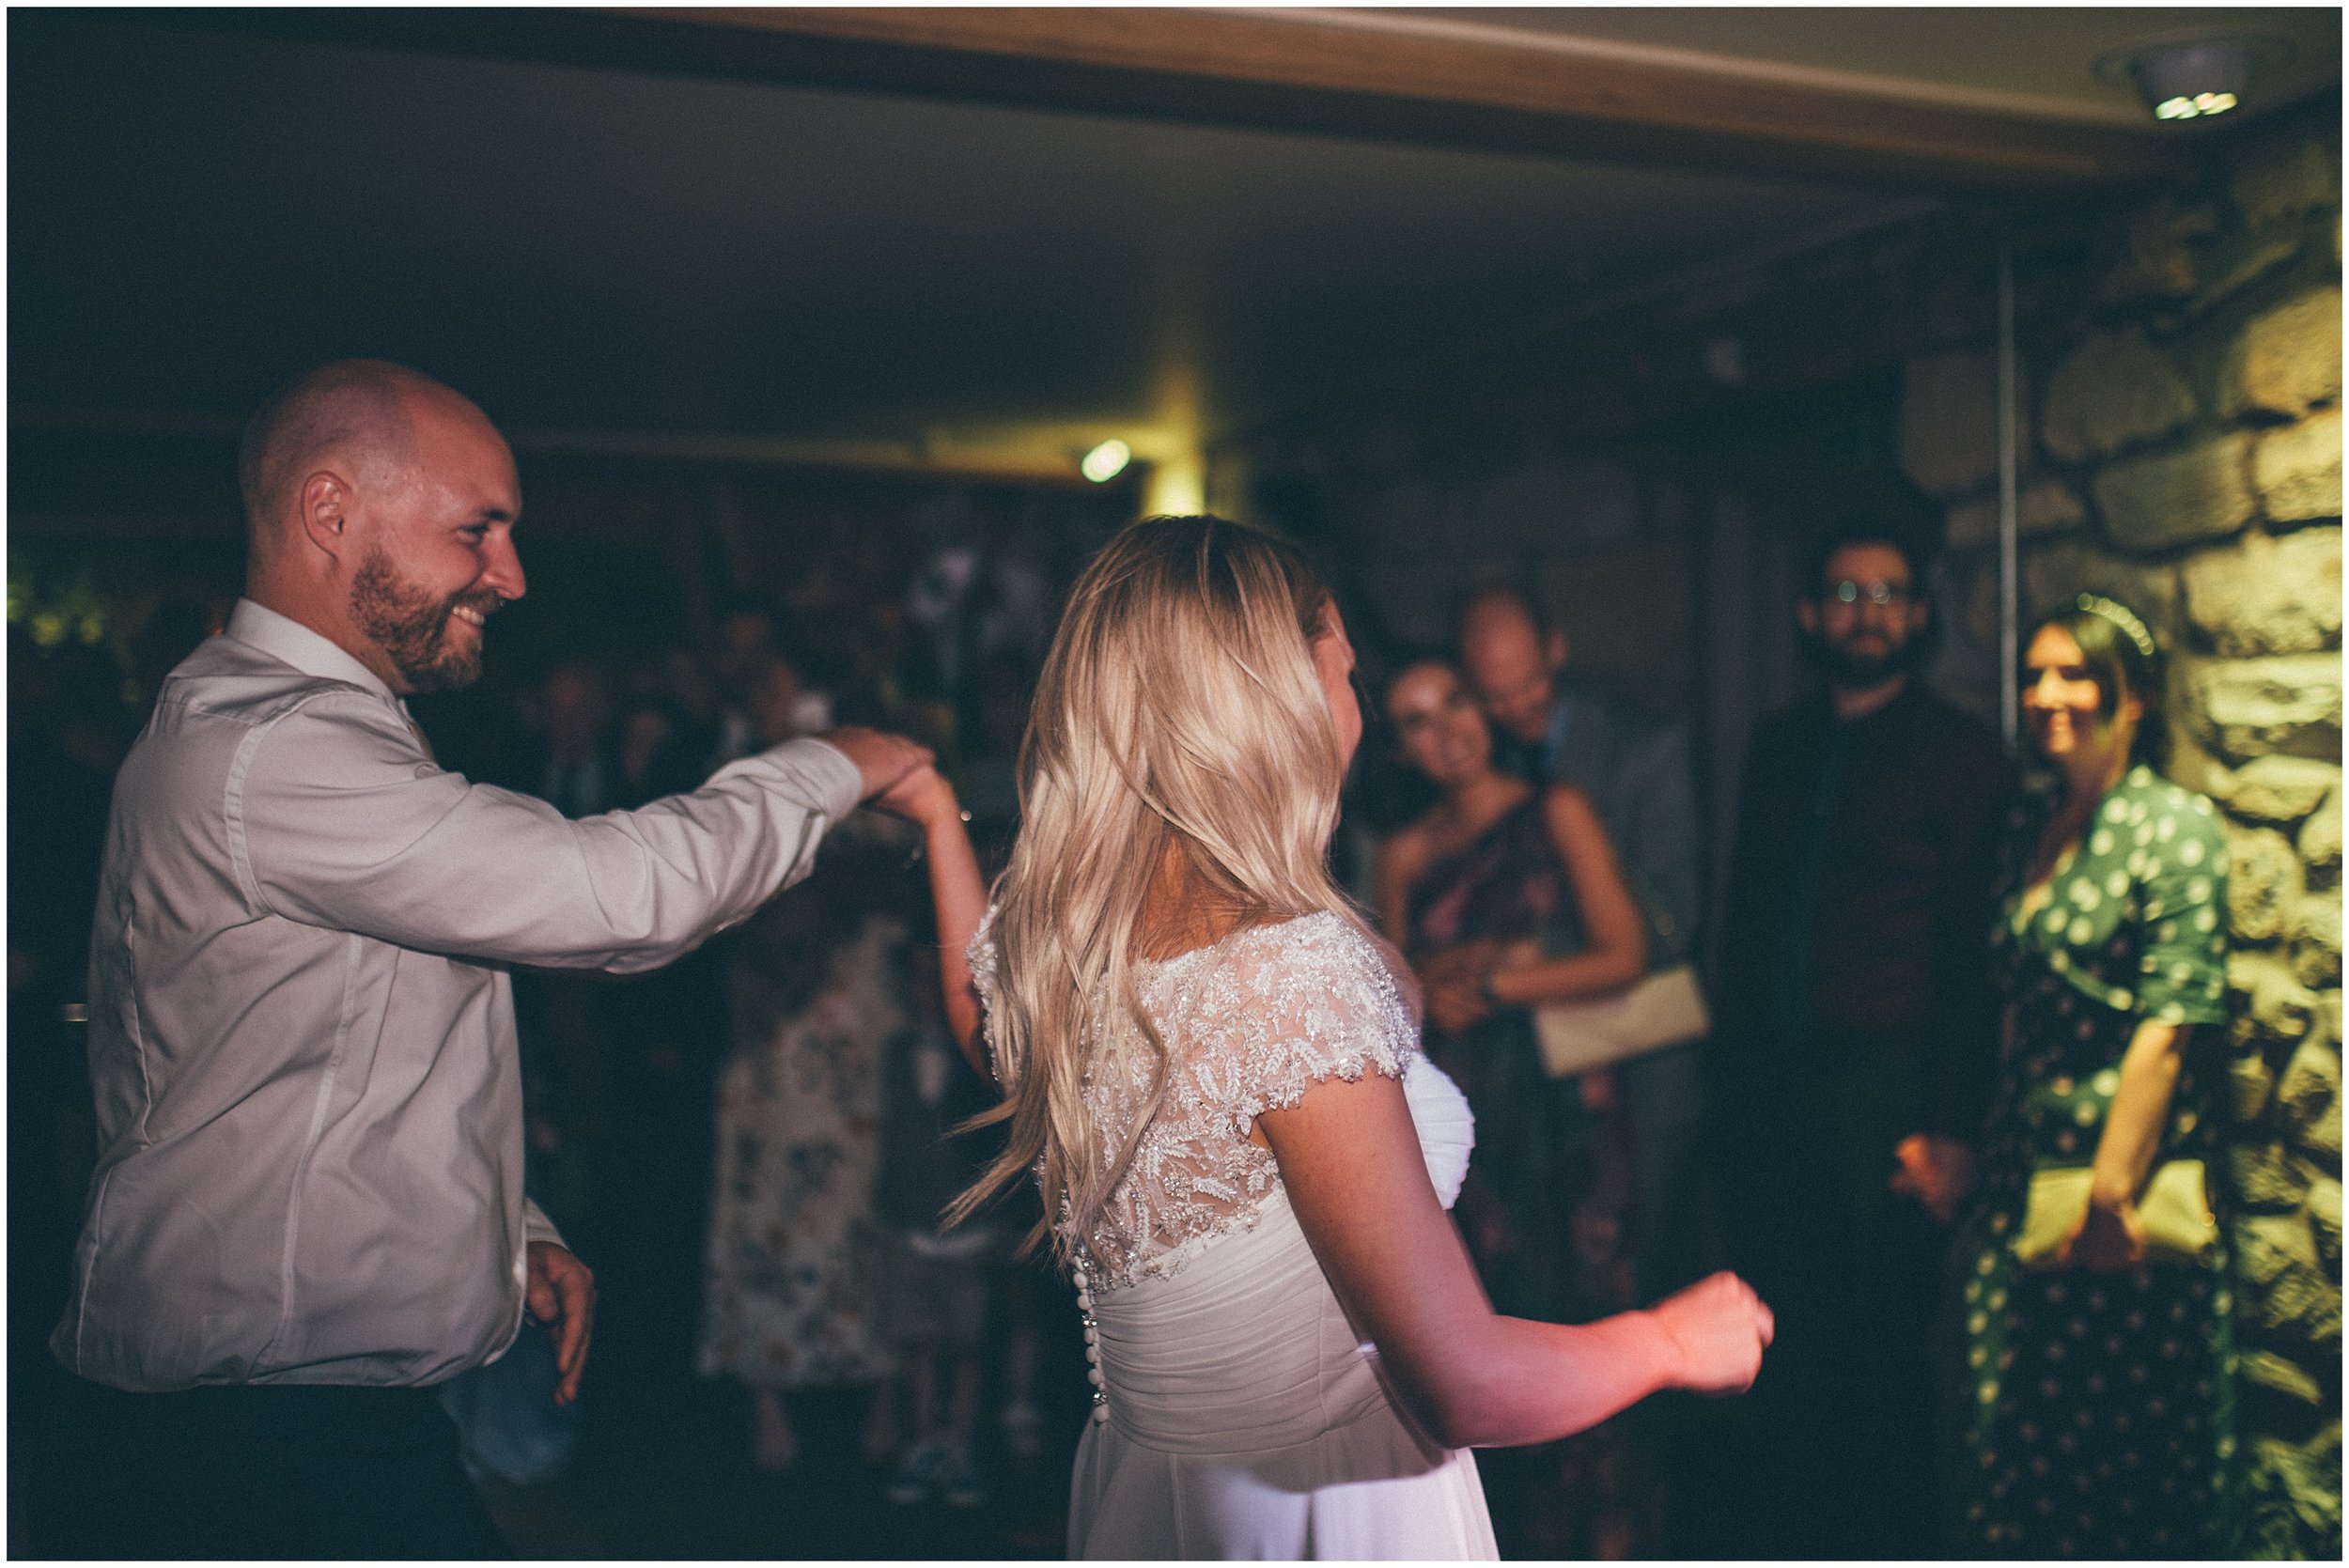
(798, 1148)
(2095, 1413)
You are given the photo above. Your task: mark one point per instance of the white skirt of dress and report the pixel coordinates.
(1246, 1418)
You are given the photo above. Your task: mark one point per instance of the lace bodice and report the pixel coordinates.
(1250, 1022)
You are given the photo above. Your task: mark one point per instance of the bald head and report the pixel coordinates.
(358, 414)
(1511, 660)
(381, 508)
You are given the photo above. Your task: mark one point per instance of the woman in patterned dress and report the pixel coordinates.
(2096, 1416)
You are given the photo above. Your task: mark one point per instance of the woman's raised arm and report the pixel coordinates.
(1351, 1164)
(926, 799)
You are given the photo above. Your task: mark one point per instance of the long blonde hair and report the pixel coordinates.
(1180, 705)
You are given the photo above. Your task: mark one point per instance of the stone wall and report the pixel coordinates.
(2182, 453)
(2180, 381)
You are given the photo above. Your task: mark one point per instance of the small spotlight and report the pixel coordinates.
(1106, 461)
(2194, 78)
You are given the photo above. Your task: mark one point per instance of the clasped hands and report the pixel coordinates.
(1453, 982)
(900, 776)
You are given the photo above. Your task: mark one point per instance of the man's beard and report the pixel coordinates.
(412, 626)
(1860, 672)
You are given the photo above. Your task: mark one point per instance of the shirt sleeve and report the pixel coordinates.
(337, 819)
(1662, 857)
(2184, 953)
(537, 1227)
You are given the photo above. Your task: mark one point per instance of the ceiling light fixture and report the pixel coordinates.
(2189, 78)
(1106, 461)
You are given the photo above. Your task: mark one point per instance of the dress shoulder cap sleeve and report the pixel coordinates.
(985, 960)
(1288, 1005)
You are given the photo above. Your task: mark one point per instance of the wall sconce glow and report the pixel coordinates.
(1106, 461)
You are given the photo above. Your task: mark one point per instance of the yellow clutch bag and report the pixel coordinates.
(2174, 1209)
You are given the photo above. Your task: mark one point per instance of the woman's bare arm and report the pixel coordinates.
(2110, 1236)
(926, 799)
(1350, 1161)
(1617, 954)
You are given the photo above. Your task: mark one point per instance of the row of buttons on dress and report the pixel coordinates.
(1083, 1282)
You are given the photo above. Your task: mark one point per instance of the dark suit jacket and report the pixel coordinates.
(1894, 978)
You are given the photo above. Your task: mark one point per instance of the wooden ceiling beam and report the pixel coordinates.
(1332, 73)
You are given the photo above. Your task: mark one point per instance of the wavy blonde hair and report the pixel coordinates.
(1180, 705)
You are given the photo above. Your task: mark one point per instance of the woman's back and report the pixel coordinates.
(1239, 1412)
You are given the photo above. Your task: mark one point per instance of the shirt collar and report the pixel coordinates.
(289, 641)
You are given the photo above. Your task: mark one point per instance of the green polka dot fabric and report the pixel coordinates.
(2096, 1411)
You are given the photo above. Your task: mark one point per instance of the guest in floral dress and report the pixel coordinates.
(2097, 1416)
(816, 988)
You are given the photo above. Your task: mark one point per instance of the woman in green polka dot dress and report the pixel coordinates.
(2096, 1414)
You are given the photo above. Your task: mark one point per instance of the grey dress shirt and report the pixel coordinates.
(301, 1033)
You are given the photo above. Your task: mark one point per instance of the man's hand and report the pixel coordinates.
(882, 759)
(1938, 1171)
(560, 1293)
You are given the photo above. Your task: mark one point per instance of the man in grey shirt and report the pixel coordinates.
(308, 1207)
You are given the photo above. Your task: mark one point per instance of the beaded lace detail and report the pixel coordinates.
(1249, 1023)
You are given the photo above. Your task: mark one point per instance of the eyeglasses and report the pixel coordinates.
(1881, 594)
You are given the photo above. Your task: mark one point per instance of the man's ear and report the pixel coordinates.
(1807, 617)
(1554, 648)
(325, 504)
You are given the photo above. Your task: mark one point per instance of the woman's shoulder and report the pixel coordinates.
(1318, 976)
(2142, 784)
(1318, 943)
(2144, 797)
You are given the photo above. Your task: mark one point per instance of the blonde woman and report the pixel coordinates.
(1210, 1066)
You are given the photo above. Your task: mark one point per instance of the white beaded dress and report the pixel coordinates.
(1238, 1413)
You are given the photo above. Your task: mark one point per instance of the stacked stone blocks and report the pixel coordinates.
(2181, 441)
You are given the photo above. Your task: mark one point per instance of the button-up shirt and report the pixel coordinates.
(301, 1031)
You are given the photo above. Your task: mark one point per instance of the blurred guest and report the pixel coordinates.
(2097, 1417)
(56, 829)
(814, 993)
(749, 637)
(1852, 1052)
(1634, 769)
(579, 775)
(973, 601)
(680, 679)
(653, 751)
(1505, 896)
(929, 1283)
(564, 758)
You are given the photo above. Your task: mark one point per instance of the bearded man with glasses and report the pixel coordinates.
(1853, 1049)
